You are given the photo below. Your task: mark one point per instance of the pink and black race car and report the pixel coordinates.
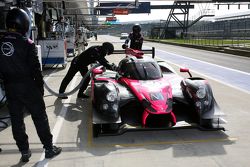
(148, 95)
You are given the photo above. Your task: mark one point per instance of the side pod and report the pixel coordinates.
(200, 96)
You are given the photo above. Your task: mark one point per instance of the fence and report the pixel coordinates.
(235, 33)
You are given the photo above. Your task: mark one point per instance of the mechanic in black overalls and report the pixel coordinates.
(80, 63)
(135, 38)
(23, 82)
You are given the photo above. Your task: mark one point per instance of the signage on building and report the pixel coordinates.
(111, 19)
(123, 7)
(120, 11)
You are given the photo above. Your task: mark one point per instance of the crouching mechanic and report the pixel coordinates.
(80, 63)
(23, 82)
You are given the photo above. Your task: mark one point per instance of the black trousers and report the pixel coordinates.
(73, 69)
(27, 95)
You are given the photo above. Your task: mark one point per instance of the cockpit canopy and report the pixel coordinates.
(139, 69)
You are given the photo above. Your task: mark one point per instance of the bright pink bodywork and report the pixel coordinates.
(143, 89)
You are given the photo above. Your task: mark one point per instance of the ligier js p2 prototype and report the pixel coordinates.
(148, 95)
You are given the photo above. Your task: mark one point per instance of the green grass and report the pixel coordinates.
(212, 42)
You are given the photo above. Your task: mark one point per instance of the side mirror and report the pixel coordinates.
(186, 70)
(97, 71)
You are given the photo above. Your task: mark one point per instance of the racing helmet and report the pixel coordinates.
(136, 28)
(18, 20)
(108, 48)
(122, 66)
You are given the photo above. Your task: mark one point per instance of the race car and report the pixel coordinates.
(145, 94)
(124, 36)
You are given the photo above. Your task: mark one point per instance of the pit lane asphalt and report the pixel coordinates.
(70, 122)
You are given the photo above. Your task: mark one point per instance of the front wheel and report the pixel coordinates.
(96, 130)
(206, 123)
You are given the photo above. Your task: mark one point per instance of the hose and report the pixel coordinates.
(2, 103)
(3, 99)
(73, 90)
(45, 61)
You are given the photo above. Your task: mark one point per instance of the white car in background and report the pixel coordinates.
(124, 35)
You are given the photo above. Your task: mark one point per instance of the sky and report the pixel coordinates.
(158, 14)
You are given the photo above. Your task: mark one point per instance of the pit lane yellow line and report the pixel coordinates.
(89, 128)
(231, 139)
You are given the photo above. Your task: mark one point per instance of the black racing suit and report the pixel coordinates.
(136, 41)
(80, 63)
(23, 82)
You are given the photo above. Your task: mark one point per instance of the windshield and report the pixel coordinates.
(143, 71)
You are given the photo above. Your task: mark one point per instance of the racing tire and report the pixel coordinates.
(113, 127)
(206, 123)
(96, 130)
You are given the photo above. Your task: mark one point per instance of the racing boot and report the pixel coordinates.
(54, 151)
(25, 156)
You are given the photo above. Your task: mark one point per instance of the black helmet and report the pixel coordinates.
(136, 28)
(108, 48)
(18, 20)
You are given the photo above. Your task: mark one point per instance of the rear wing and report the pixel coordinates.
(136, 53)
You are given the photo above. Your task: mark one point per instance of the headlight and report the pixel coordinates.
(105, 106)
(206, 102)
(111, 96)
(201, 92)
(115, 107)
(198, 104)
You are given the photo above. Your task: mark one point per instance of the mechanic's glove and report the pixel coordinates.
(124, 46)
